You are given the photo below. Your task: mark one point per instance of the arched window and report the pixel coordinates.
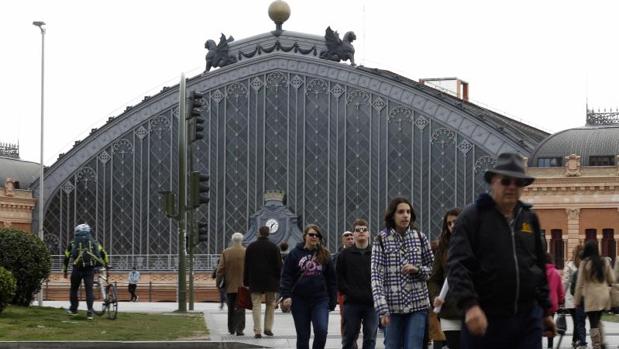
(557, 248)
(609, 246)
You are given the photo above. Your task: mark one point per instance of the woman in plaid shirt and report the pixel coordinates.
(401, 265)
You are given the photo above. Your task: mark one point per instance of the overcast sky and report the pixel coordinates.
(536, 61)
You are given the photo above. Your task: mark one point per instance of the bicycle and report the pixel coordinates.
(106, 295)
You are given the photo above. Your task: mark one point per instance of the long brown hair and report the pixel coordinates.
(577, 254)
(323, 256)
(443, 239)
(390, 212)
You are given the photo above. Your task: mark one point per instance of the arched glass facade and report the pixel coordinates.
(339, 141)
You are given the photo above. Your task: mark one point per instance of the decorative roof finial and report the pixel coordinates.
(279, 12)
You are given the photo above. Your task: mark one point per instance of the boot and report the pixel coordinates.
(596, 338)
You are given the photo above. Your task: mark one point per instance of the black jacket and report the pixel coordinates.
(263, 264)
(450, 309)
(354, 276)
(303, 277)
(498, 267)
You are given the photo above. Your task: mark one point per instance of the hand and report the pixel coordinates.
(550, 330)
(476, 321)
(409, 269)
(384, 321)
(438, 302)
(286, 304)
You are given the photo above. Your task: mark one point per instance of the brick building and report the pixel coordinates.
(16, 200)
(576, 192)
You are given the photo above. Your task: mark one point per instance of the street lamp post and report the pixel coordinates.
(41, 24)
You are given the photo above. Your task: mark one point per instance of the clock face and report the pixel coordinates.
(273, 225)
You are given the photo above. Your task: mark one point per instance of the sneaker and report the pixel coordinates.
(257, 335)
(89, 315)
(71, 312)
(137, 298)
(268, 333)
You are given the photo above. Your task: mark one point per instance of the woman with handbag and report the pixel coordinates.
(594, 278)
(308, 288)
(555, 290)
(450, 315)
(570, 272)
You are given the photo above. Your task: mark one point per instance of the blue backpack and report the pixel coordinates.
(85, 251)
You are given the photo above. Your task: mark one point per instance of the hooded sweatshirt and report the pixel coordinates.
(555, 287)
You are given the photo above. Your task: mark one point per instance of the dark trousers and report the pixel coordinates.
(236, 316)
(578, 319)
(453, 339)
(354, 315)
(77, 275)
(521, 331)
(307, 313)
(132, 288)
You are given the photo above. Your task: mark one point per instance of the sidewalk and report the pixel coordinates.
(285, 336)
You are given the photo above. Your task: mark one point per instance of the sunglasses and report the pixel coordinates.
(506, 181)
(313, 235)
(361, 229)
(347, 235)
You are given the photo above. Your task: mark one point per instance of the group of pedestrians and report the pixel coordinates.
(490, 280)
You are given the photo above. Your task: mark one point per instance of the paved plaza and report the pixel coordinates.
(285, 336)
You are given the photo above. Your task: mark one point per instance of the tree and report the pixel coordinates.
(28, 259)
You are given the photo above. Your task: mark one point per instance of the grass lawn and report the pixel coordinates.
(610, 318)
(45, 323)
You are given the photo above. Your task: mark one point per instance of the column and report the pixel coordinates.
(573, 229)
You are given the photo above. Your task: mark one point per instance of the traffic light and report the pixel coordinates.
(169, 206)
(202, 232)
(198, 184)
(194, 115)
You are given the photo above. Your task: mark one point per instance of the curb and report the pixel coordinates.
(126, 345)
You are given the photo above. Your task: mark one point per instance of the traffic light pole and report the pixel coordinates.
(182, 204)
(191, 226)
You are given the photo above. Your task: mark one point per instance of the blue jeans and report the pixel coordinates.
(521, 331)
(77, 275)
(406, 330)
(307, 313)
(353, 315)
(580, 333)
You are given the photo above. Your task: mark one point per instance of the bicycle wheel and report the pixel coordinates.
(99, 305)
(112, 306)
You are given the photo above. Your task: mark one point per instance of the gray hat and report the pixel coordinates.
(511, 165)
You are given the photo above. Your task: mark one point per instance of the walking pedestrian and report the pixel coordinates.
(230, 272)
(354, 283)
(308, 288)
(450, 314)
(555, 288)
(401, 265)
(263, 264)
(594, 277)
(133, 279)
(221, 287)
(87, 255)
(570, 273)
(496, 265)
(346, 240)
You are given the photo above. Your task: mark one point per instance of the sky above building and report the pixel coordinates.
(539, 62)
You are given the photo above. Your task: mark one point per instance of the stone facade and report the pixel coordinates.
(576, 203)
(16, 206)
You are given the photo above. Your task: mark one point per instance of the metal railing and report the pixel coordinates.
(152, 262)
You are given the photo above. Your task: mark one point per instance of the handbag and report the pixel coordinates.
(434, 326)
(614, 295)
(243, 298)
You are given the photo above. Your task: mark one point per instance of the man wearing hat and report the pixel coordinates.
(496, 265)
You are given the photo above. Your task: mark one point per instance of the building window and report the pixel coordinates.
(557, 248)
(609, 246)
(605, 160)
(549, 162)
(591, 234)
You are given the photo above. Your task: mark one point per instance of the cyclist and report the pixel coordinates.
(87, 255)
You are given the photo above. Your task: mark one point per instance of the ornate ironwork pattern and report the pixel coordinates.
(338, 152)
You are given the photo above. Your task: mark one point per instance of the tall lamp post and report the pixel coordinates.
(41, 24)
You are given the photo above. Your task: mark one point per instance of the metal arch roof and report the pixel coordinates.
(526, 136)
(584, 141)
(26, 172)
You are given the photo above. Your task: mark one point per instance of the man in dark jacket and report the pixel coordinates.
(263, 264)
(497, 265)
(354, 283)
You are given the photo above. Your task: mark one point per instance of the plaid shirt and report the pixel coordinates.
(393, 291)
